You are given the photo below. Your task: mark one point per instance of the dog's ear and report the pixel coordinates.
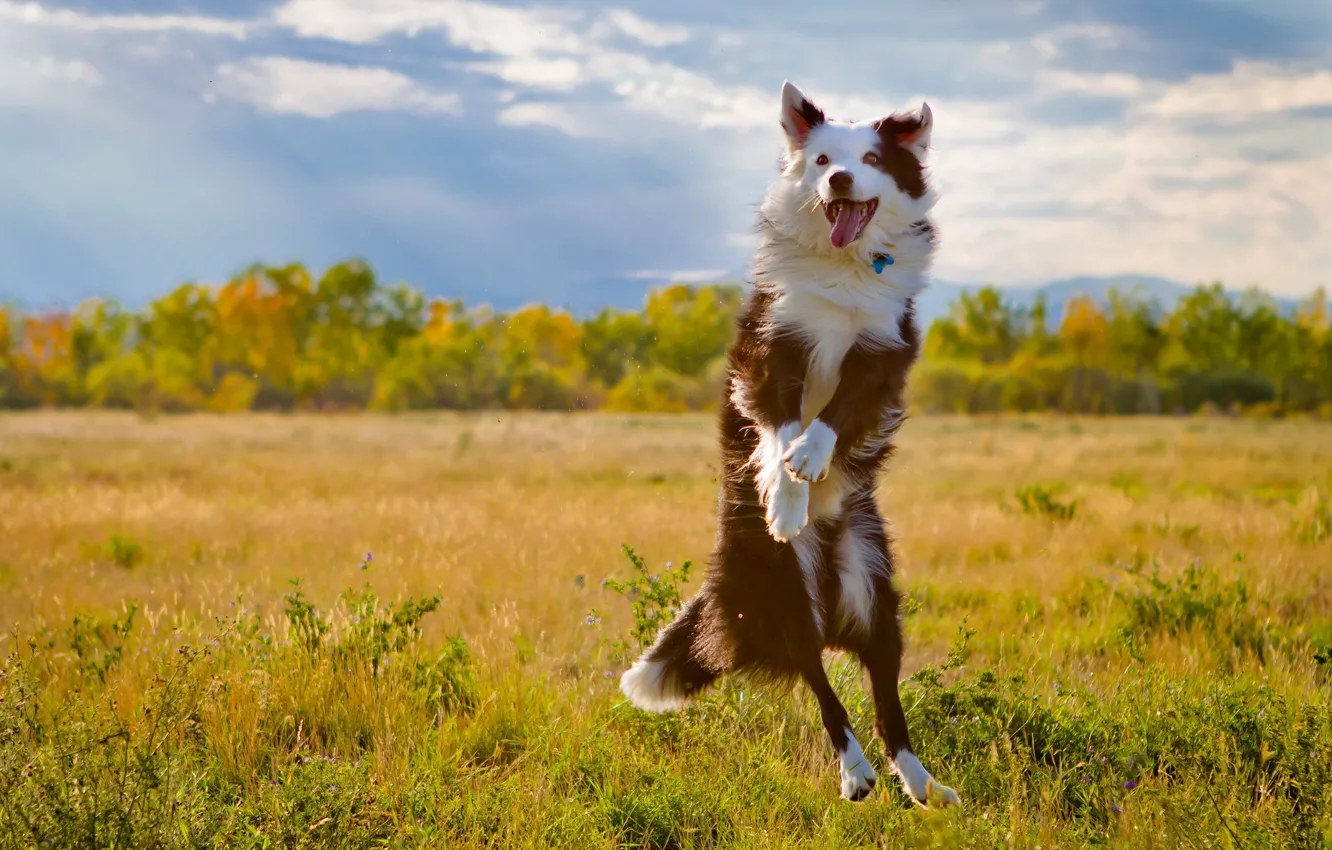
(919, 141)
(799, 115)
(911, 131)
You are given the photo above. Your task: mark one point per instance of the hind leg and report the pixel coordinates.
(884, 662)
(769, 597)
(879, 645)
(858, 777)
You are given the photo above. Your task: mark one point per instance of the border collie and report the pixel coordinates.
(803, 561)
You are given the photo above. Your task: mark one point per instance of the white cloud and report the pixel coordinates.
(559, 116)
(680, 95)
(680, 275)
(1162, 191)
(1249, 89)
(560, 74)
(1150, 194)
(1019, 59)
(38, 71)
(647, 32)
(1055, 80)
(36, 14)
(319, 90)
(1022, 199)
(65, 70)
(1056, 42)
(482, 27)
(546, 49)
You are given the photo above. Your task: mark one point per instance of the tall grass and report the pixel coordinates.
(349, 632)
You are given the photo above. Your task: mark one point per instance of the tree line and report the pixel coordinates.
(277, 338)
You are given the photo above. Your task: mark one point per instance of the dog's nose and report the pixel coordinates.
(840, 181)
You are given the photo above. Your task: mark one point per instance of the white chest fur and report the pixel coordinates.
(830, 320)
(832, 299)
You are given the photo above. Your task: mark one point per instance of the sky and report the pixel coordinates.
(577, 153)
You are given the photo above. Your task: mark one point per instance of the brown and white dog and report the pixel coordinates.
(803, 561)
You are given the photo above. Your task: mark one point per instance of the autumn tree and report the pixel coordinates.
(280, 337)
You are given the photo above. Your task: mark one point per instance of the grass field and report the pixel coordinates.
(1148, 604)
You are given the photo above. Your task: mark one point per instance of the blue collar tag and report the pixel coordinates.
(881, 260)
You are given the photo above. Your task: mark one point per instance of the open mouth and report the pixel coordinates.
(848, 219)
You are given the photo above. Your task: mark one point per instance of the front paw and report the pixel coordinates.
(810, 456)
(788, 510)
(919, 785)
(858, 778)
(940, 796)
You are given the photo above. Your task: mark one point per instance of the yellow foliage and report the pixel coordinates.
(5, 335)
(43, 360)
(654, 389)
(348, 342)
(544, 334)
(255, 327)
(234, 394)
(1085, 331)
(445, 316)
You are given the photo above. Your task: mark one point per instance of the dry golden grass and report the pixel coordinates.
(500, 514)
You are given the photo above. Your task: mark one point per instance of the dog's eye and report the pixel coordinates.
(870, 158)
(822, 160)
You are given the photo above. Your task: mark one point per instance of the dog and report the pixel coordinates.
(815, 392)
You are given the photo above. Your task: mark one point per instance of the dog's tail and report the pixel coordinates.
(674, 670)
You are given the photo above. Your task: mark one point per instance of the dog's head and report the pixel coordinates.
(844, 179)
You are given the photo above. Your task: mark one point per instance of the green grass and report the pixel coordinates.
(1105, 679)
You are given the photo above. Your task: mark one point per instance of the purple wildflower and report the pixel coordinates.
(1130, 785)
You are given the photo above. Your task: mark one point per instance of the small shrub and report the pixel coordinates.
(76, 772)
(125, 551)
(655, 600)
(1196, 599)
(308, 627)
(1129, 484)
(1041, 501)
(99, 645)
(376, 632)
(446, 682)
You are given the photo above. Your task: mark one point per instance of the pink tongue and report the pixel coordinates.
(847, 223)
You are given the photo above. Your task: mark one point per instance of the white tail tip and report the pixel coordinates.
(648, 686)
